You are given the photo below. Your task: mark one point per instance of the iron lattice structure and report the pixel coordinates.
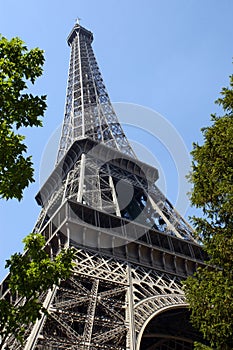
(88, 110)
(133, 248)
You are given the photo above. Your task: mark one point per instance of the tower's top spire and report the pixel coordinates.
(79, 29)
(88, 110)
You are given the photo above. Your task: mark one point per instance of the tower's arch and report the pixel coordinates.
(149, 308)
(168, 328)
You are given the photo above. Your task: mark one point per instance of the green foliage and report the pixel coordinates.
(210, 290)
(212, 173)
(18, 66)
(211, 303)
(199, 346)
(31, 274)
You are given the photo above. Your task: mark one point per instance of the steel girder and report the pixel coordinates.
(88, 110)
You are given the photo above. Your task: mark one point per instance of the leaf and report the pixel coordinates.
(31, 274)
(210, 291)
(18, 65)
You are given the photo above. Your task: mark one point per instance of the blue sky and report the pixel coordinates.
(171, 56)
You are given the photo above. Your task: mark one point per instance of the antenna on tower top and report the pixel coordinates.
(78, 19)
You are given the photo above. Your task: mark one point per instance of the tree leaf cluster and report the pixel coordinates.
(31, 274)
(210, 290)
(18, 67)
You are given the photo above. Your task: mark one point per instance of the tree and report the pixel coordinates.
(210, 291)
(18, 66)
(31, 274)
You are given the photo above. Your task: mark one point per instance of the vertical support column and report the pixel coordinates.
(65, 189)
(90, 316)
(97, 195)
(67, 244)
(114, 195)
(81, 178)
(71, 113)
(131, 336)
(81, 84)
(32, 339)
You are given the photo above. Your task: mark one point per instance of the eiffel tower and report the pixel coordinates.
(133, 248)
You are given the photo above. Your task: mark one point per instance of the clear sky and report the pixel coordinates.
(171, 56)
